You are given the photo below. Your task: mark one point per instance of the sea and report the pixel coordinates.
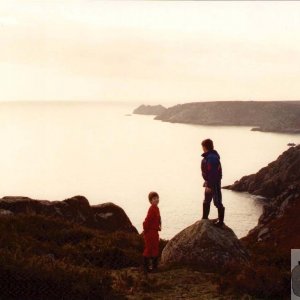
(101, 150)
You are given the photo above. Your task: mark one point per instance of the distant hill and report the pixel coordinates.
(269, 116)
(149, 110)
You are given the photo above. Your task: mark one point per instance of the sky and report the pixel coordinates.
(149, 51)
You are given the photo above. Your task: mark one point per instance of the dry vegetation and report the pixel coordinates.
(45, 258)
(50, 258)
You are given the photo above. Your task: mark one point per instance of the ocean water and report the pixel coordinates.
(58, 150)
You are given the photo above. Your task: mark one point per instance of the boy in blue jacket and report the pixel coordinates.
(212, 174)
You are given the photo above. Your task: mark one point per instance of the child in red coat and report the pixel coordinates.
(151, 226)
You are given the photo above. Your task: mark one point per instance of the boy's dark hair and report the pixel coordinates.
(152, 195)
(208, 144)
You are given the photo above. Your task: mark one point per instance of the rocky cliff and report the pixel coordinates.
(271, 241)
(107, 216)
(274, 116)
(279, 182)
(279, 176)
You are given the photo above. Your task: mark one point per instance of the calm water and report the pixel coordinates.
(57, 150)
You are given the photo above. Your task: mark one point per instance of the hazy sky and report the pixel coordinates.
(149, 51)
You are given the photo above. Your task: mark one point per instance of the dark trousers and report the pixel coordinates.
(215, 195)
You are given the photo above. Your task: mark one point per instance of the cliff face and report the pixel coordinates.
(277, 231)
(107, 217)
(276, 116)
(279, 176)
(150, 110)
(279, 182)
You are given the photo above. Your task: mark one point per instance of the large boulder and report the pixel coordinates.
(111, 217)
(107, 216)
(205, 245)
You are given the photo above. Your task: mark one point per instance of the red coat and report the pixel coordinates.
(151, 227)
(152, 220)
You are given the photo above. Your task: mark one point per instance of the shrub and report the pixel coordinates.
(43, 257)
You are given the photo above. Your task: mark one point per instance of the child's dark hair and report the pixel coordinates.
(152, 195)
(208, 144)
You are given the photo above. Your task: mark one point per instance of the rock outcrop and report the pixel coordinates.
(273, 116)
(111, 217)
(204, 245)
(149, 110)
(279, 182)
(274, 179)
(107, 216)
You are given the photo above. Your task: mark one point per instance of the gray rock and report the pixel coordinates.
(284, 205)
(6, 212)
(206, 245)
(111, 217)
(108, 216)
(279, 183)
(279, 177)
(263, 234)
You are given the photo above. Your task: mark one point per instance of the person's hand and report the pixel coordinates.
(207, 190)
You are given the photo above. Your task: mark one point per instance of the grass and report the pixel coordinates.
(52, 258)
(45, 258)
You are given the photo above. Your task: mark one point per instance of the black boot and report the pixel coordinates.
(221, 212)
(154, 264)
(146, 265)
(206, 208)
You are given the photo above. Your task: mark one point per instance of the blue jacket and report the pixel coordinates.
(211, 168)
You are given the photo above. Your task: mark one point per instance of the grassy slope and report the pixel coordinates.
(46, 257)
